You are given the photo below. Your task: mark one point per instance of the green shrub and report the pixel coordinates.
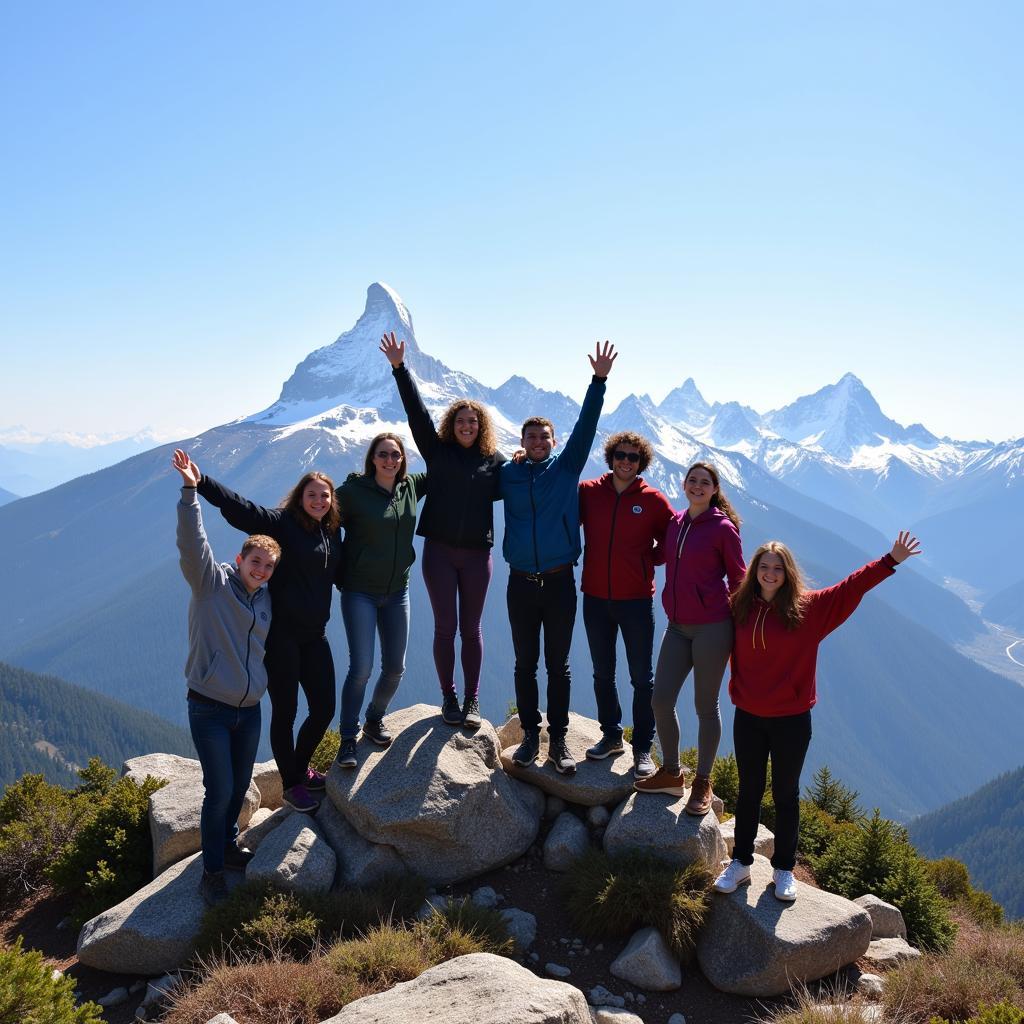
(394, 898)
(382, 957)
(950, 877)
(1001, 1013)
(725, 781)
(830, 795)
(30, 994)
(462, 923)
(612, 897)
(326, 751)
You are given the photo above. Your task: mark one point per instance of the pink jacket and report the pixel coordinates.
(700, 555)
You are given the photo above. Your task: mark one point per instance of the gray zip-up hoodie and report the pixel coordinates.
(227, 627)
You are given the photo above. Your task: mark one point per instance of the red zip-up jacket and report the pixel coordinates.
(698, 554)
(623, 535)
(773, 668)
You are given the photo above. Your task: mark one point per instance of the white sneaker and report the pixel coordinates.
(785, 885)
(735, 875)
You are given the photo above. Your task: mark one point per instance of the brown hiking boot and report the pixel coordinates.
(663, 781)
(700, 796)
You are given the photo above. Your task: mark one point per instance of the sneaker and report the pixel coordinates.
(559, 756)
(451, 713)
(298, 798)
(663, 781)
(471, 713)
(213, 888)
(237, 857)
(315, 781)
(527, 751)
(605, 747)
(735, 875)
(785, 885)
(700, 796)
(375, 731)
(346, 756)
(644, 766)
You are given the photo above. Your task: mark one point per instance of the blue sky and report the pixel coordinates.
(759, 196)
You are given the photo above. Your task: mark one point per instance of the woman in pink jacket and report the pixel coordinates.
(703, 552)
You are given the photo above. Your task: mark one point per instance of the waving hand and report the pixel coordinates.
(602, 359)
(394, 350)
(905, 546)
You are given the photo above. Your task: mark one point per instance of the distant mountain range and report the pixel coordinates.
(6, 496)
(97, 597)
(50, 727)
(986, 831)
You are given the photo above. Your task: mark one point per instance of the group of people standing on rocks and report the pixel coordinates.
(358, 538)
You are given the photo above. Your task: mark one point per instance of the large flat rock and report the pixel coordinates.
(658, 823)
(477, 989)
(295, 856)
(595, 782)
(755, 945)
(360, 862)
(438, 797)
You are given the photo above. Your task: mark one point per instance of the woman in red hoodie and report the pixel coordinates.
(703, 552)
(779, 626)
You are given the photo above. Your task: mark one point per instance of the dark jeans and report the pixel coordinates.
(548, 603)
(295, 660)
(603, 619)
(457, 580)
(785, 740)
(226, 739)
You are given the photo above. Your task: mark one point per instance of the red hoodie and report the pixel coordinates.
(699, 553)
(623, 535)
(773, 668)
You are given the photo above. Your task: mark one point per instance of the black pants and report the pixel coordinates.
(295, 658)
(785, 740)
(549, 603)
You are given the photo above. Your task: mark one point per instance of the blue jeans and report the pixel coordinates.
(603, 620)
(226, 739)
(363, 615)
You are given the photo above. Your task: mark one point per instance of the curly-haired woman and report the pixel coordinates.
(457, 523)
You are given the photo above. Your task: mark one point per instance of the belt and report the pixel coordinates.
(538, 577)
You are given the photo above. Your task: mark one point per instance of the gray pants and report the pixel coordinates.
(706, 649)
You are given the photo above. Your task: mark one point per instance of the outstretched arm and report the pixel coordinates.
(241, 513)
(198, 565)
(577, 448)
(424, 433)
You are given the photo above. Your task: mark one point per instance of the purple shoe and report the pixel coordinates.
(315, 781)
(298, 798)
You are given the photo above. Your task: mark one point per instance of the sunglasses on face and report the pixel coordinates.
(388, 456)
(628, 456)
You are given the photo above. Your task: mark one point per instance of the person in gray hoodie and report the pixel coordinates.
(228, 621)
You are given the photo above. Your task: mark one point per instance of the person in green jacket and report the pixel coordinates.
(378, 512)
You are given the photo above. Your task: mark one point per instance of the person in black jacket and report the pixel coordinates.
(298, 654)
(458, 524)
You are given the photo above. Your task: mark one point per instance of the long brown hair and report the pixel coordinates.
(486, 440)
(368, 467)
(718, 499)
(789, 598)
(293, 503)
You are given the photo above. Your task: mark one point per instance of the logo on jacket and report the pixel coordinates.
(637, 509)
(263, 616)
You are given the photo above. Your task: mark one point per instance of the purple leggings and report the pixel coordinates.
(457, 581)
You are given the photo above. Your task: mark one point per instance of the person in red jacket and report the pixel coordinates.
(779, 625)
(624, 521)
(704, 564)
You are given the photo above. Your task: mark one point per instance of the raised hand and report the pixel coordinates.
(187, 468)
(394, 350)
(602, 359)
(905, 546)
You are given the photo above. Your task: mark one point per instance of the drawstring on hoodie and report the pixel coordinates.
(762, 615)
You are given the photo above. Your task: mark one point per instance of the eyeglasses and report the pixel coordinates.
(388, 456)
(628, 456)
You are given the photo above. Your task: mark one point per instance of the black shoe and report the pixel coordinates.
(605, 747)
(559, 756)
(527, 751)
(373, 730)
(237, 857)
(451, 713)
(213, 888)
(346, 756)
(471, 713)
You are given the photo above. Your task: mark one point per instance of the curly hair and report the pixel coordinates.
(718, 499)
(486, 440)
(635, 441)
(368, 467)
(789, 598)
(293, 503)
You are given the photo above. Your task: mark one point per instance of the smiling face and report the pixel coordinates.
(538, 441)
(316, 499)
(625, 463)
(699, 489)
(466, 427)
(387, 461)
(255, 568)
(771, 574)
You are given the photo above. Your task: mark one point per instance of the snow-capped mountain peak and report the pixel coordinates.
(685, 404)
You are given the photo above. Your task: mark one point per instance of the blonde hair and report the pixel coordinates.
(789, 598)
(486, 440)
(264, 543)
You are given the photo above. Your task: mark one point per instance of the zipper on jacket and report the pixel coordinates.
(248, 648)
(675, 571)
(327, 546)
(533, 511)
(394, 554)
(611, 541)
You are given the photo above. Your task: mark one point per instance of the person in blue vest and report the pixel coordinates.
(541, 546)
